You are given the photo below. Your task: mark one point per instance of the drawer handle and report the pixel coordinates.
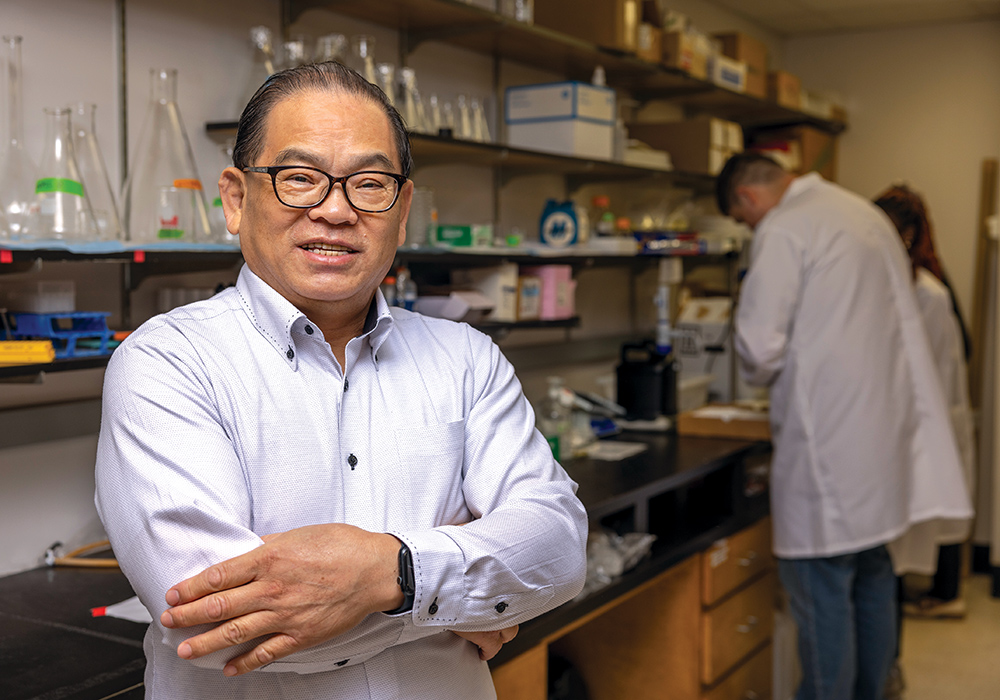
(748, 559)
(747, 626)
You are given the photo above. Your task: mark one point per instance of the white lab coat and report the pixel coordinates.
(863, 446)
(916, 551)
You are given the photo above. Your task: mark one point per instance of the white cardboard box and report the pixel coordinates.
(571, 118)
(497, 283)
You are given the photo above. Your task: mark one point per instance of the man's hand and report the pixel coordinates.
(489, 643)
(302, 587)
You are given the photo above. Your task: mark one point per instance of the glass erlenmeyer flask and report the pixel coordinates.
(387, 80)
(61, 209)
(18, 173)
(163, 198)
(93, 172)
(363, 56)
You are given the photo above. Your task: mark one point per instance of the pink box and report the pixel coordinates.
(558, 290)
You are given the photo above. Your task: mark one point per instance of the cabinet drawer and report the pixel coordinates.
(752, 680)
(732, 561)
(736, 627)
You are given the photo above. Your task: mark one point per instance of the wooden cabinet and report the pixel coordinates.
(737, 619)
(700, 630)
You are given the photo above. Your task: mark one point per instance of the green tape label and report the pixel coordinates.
(171, 233)
(59, 184)
(217, 202)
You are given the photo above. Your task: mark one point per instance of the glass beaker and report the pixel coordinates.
(18, 173)
(422, 215)
(294, 52)
(61, 209)
(163, 159)
(331, 47)
(363, 56)
(93, 173)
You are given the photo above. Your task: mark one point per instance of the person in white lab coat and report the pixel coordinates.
(933, 548)
(828, 321)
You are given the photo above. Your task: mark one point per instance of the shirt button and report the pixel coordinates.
(347, 384)
(341, 663)
(500, 607)
(290, 354)
(352, 460)
(309, 330)
(433, 609)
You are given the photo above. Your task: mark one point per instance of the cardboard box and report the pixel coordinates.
(753, 53)
(725, 421)
(612, 24)
(649, 45)
(815, 149)
(728, 72)
(558, 291)
(785, 89)
(682, 50)
(571, 118)
(695, 146)
(462, 235)
(497, 283)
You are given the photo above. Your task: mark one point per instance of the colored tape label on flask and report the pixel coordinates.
(59, 184)
(188, 184)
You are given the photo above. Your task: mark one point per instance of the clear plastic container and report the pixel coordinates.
(61, 209)
(163, 197)
(93, 172)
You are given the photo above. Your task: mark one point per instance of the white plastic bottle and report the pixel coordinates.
(555, 420)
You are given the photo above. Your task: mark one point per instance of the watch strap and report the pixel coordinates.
(406, 581)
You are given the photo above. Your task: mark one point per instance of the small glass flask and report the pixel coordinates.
(18, 173)
(480, 128)
(93, 173)
(464, 121)
(61, 209)
(294, 52)
(363, 56)
(163, 197)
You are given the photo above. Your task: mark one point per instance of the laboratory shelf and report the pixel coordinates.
(68, 365)
(428, 150)
(462, 25)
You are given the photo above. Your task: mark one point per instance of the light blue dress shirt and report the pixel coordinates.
(230, 418)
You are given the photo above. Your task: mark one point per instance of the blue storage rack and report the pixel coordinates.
(81, 324)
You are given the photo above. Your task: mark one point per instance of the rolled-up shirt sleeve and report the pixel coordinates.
(524, 552)
(768, 300)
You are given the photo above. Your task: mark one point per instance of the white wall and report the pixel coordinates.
(924, 107)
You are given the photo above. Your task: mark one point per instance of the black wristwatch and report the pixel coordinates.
(405, 580)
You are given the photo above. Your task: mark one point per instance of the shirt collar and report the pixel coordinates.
(800, 185)
(276, 318)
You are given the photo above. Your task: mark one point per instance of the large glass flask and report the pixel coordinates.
(17, 170)
(163, 198)
(61, 208)
(93, 173)
(331, 47)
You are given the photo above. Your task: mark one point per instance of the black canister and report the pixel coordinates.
(647, 381)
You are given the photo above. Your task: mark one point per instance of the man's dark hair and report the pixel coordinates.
(331, 76)
(749, 168)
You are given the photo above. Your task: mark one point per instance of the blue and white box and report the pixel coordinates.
(571, 118)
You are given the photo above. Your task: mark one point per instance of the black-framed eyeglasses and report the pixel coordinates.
(302, 187)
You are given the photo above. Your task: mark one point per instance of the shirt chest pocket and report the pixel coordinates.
(432, 462)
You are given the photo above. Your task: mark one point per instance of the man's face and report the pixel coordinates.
(330, 254)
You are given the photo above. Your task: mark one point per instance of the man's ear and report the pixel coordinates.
(405, 199)
(232, 190)
(745, 195)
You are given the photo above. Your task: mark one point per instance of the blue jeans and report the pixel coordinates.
(845, 609)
